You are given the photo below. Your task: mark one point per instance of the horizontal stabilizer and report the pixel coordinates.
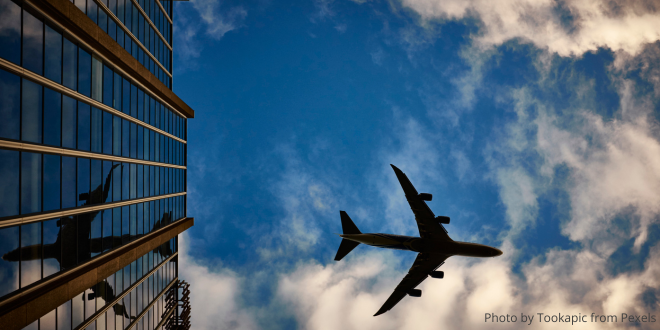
(347, 224)
(345, 247)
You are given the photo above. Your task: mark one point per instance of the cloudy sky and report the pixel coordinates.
(534, 123)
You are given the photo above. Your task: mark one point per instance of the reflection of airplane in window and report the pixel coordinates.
(105, 291)
(77, 230)
(434, 245)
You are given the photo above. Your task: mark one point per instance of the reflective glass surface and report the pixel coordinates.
(32, 182)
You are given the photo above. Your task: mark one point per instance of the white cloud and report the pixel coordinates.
(214, 293)
(565, 27)
(216, 22)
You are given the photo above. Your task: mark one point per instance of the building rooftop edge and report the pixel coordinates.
(69, 16)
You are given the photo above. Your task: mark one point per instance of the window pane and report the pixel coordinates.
(83, 181)
(116, 229)
(107, 133)
(140, 181)
(70, 65)
(47, 322)
(133, 139)
(140, 219)
(30, 182)
(78, 310)
(84, 72)
(145, 152)
(51, 182)
(116, 103)
(83, 126)
(140, 143)
(152, 111)
(69, 122)
(107, 181)
(33, 43)
(140, 103)
(97, 182)
(53, 54)
(152, 149)
(83, 234)
(125, 181)
(120, 10)
(92, 10)
(97, 78)
(10, 103)
(69, 243)
(64, 316)
(107, 230)
(116, 181)
(107, 85)
(97, 136)
(52, 248)
(30, 253)
(116, 136)
(9, 261)
(90, 306)
(129, 98)
(9, 183)
(10, 32)
(68, 182)
(125, 222)
(52, 117)
(133, 224)
(103, 21)
(96, 246)
(81, 4)
(156, 180)
(133, 179)
(125, 136)
(110, 318)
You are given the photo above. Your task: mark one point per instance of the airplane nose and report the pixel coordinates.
(496, 252)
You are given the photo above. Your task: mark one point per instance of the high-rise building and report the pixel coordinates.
(92, 166)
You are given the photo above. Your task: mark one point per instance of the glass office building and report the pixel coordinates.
(92, 166)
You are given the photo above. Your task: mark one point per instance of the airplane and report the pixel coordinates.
(433, 247)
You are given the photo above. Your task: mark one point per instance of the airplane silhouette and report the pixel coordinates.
(72, 231)
(105, 291)
(433, 247)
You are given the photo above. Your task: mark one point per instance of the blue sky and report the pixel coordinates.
(534, 124)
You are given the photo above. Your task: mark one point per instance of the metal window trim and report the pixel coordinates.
(164, 11)
(81, 210)
(23, 146)
(68, 32)
(27, 74)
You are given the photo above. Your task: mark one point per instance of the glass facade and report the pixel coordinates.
(90, 160)
(131, 297)
(145, 21)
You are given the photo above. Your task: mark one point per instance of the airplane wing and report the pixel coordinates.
(423, 265)
(427, 224)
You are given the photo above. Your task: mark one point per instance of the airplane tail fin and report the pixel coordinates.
(347, 224)
(345, 247)
(348, 227)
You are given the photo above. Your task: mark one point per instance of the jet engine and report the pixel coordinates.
(442, 219)
(415, 293)
(437, 274)
(425, 197)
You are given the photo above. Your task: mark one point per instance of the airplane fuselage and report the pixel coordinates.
(418, 244)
